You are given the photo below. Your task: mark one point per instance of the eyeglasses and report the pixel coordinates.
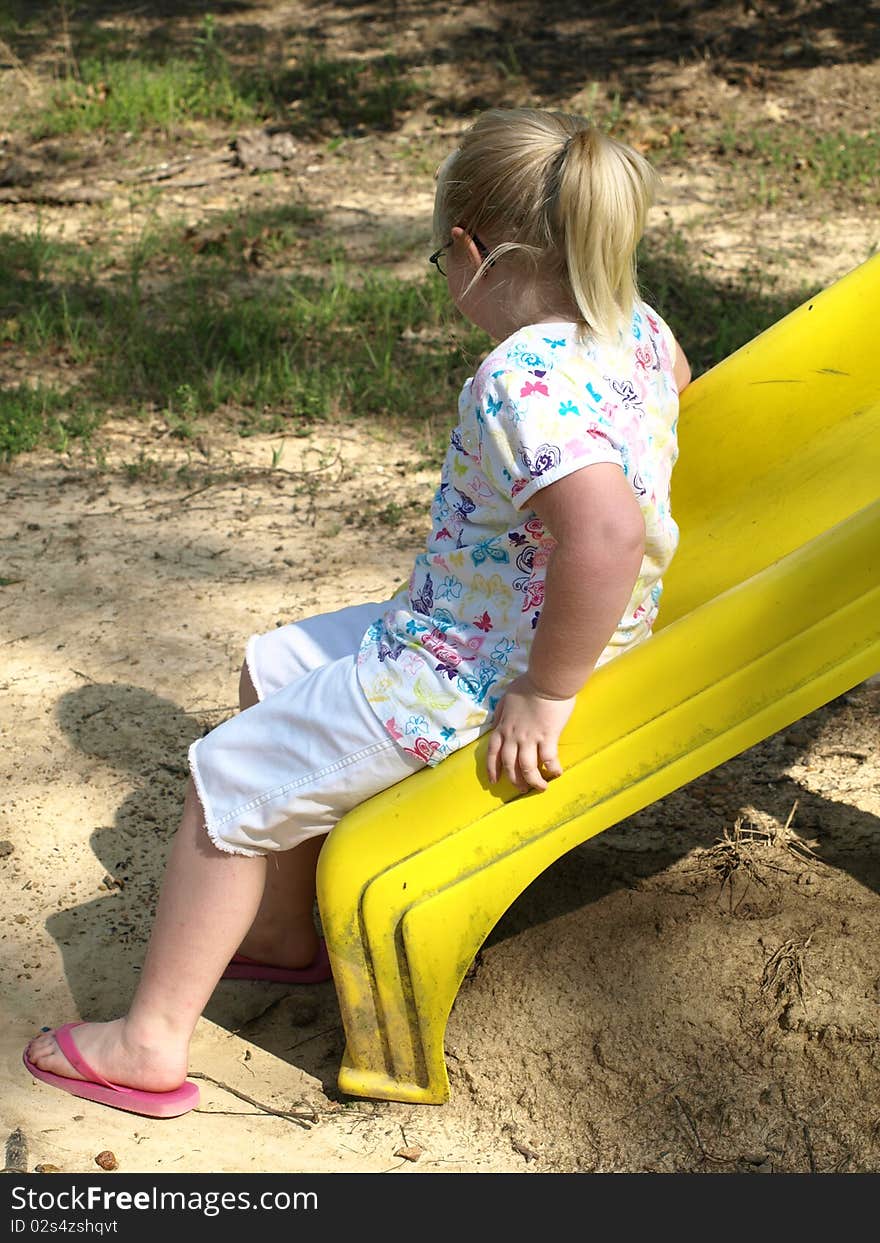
(438, 256)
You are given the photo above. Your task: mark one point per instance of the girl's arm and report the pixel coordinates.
(681, 369)
(600, 539)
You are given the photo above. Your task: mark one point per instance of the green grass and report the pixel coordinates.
(204, 333)
(121, 86)
(126, 91)
(41, 415)
(793, 156)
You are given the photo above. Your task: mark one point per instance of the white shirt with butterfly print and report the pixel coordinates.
(542, 404)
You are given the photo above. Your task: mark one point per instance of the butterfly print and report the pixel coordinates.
(436, 644)
(389, 651)
(464, 505)
(423, 601)
(483, 623)
(477, 686)
(425, 694)
(625, 390)
(488, 550)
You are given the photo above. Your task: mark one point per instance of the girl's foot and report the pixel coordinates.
(148, 1065)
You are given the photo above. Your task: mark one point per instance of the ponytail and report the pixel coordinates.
(605, 191)
(562, 199)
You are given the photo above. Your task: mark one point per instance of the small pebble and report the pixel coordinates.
(107, 1160)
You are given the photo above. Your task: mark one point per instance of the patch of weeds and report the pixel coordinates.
(181, 415)
(783, 158)
(390, 515)
(232, 239)
(509, 63)
(829, 160)
(327, 250)
(136, 92)
(598, 106)
(347, 96)
(146, 469)
(746, 853)
(31, 416)
(733, 858)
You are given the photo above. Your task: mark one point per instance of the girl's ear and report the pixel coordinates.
(466, 246)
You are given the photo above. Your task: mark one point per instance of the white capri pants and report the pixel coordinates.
(292, 765)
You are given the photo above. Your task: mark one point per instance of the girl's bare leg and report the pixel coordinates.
(283, 932)
(209, 900)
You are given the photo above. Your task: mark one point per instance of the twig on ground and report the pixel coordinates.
(695, 1134)
(170, 168)
(50, 197)
(656, 1097)
(305, 1120)
(850, 753)
(204, 181)
(326, 1032)
(785, 968)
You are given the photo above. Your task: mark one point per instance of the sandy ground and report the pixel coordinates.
(695, 990)
(632, 1011)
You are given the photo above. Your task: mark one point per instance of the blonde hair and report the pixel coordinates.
(561, 194)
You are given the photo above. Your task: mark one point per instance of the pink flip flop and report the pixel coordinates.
(241, 968)
(95, 1087)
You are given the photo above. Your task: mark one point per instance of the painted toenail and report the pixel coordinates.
(45, 1029)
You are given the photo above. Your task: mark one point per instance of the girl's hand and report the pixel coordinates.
(526, 736)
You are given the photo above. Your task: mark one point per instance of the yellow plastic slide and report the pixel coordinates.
(771, 609)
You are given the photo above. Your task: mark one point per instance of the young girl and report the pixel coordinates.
(550, 533)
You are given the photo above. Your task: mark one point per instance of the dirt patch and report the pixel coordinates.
(695, 990)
